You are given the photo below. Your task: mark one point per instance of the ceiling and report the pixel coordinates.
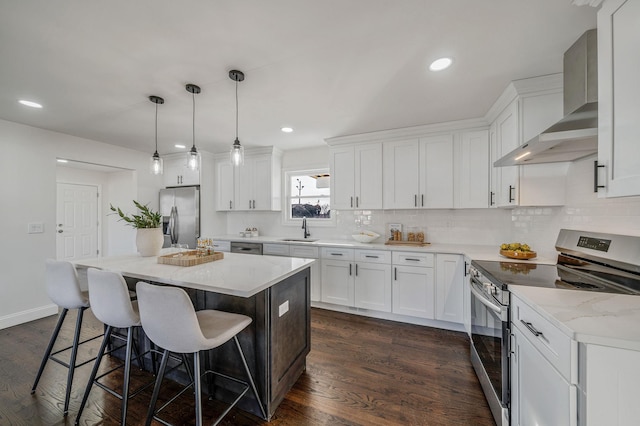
(325, 68)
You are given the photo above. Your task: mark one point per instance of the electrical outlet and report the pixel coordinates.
(283, 308)
(35, 228)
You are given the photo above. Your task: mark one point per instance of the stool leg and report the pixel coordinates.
(197, 386)
(47, 352)
(253, 385)
(72, 361)
(127, 373)
(156, 388)
(94, 372)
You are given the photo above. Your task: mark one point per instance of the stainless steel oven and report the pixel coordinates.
(489, 342)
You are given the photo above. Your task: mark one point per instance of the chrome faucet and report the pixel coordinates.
(304, 226)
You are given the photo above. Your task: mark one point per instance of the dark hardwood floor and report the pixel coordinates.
(360, 371)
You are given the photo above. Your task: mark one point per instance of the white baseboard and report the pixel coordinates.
(28, 315)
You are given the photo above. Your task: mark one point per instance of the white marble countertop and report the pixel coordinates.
(237, 274)
(474, 252)
(597, 318)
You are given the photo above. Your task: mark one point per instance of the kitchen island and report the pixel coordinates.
(273, 291)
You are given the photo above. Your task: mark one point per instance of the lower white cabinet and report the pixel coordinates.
(413, 287)
(356, 278)
(449, 287)
(542, 360)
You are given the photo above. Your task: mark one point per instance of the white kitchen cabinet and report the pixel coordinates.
(308, 252)
(543, 365)
(270, 249)
(618, 94)
(413, 287)
(356, 176)
(471, 186)
(418, 173)
(337, 282)
(254, 186)
(450, 271)
(534, 105)
(222, 246)
(176, 172)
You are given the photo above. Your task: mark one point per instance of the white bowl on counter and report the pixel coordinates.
(365, 236)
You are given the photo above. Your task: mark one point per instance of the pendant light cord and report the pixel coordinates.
(193, 122)
(236, 109)
(156, 128)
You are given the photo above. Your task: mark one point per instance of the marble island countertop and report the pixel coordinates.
(475, 252)
(594, 318)
(237, 274)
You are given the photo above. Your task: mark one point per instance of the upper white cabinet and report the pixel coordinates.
(471, 154)
(356, 176)
(618, 94)
(254, 186)
(419, 173)
(176, 172)
(529, 107)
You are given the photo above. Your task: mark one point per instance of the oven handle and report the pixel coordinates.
(501, 311)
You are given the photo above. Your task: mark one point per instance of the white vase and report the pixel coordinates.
(149, 241)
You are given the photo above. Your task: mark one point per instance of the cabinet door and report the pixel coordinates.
(507, 139)
(342, 178)
(368, 176)
(618, 94)
(189, 177)
(436, 172)
(413, 291)
(225, 185)
(244, 186)
(401, 174)
(539, 394)
(262, 178)
(472, 170)
(337, 282)
(171, 172)
(449, 287)
(373, 286)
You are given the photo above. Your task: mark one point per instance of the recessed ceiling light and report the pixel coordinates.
(440, 64)
(62, 160)
(30, 103)
(180, 146)
(287, 129)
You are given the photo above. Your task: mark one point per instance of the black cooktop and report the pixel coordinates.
(564, 276)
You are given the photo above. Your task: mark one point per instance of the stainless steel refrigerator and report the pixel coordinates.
(180, 209)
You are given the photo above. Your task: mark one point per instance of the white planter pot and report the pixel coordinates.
(149, 241)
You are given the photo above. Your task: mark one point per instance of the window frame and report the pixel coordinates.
(287, 220)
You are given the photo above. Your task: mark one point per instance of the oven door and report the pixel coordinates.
(489, 351)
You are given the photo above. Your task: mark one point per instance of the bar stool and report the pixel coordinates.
(171, 322)
(111, 304)
(64, 290)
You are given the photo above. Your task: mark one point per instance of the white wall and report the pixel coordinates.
(28, 170)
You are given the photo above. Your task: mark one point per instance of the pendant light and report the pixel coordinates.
(193, 157)
(156, 163)
(237, 150)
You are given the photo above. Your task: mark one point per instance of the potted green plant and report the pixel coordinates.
(149, 238)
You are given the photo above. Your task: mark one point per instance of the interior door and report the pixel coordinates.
(76, 221)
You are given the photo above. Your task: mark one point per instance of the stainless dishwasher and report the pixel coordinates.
(246, 248)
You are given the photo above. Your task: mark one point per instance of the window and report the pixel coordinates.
(308, 195)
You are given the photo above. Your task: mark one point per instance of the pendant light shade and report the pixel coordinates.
(193, 157)
(237, 151)
(156, 163)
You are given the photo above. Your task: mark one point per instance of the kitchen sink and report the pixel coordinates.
(299, 240)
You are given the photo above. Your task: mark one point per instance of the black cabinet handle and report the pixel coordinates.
(356, 269)
(335, 254)
(532, 329)
(511, 197)
(395, 274)
(491, 195)
(422, 200)
(596, 166)
(357, 201)
(350, 269)
(230, 205)
(415, 200)
(411, 259)
(466, 272)
(370, 256)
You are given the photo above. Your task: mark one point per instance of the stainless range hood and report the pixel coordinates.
(576, 135)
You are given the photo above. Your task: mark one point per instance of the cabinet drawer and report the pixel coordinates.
(337, 253)
(373, 256)
(552, 343)
(275, 249)
(412, 258)
(222, 246)
(304, 251)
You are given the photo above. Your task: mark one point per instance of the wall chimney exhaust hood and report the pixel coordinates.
(576, 135)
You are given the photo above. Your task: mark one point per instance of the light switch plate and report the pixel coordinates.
(35, 228)
(283, 308)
